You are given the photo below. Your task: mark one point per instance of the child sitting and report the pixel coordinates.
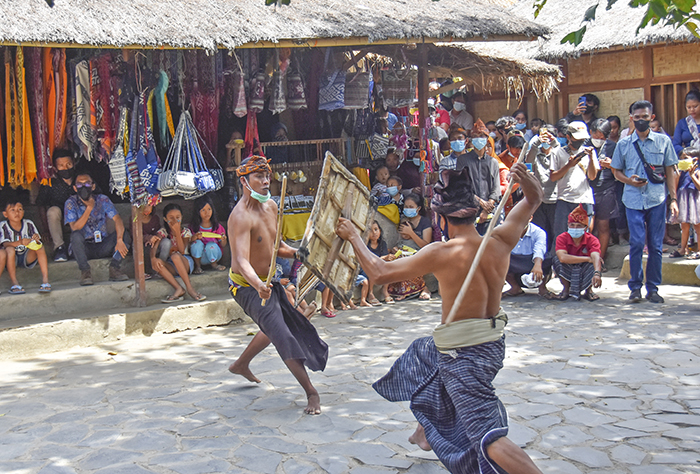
(22, 247)
(174, 238)
(379, 190)
(394, 185)
(204, 220)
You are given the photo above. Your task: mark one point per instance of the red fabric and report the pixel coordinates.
(589, 244)
(578, 216)
(443, 117)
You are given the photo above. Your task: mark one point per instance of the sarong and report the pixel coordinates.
(579, 275)
(292, 334)
(453, 398)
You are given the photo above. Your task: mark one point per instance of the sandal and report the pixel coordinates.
(560, 297)
(172, 299)
(17, 290)
(328, 313)
(693, 256)
(507, 293)
(197, 271)
(389, 300)
(676, 254)
(45, 288)
(198, 297)
(590, 296)
(548, 296)
(374, 302)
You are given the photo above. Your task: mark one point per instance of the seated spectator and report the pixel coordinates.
(327, 309)
(415, 232)
(459, 114)
(150, 224)
(87, 215)
(380, 189)
(378, 247)
(52, 199)
(529, 258)
(21, 247)
(540, 154)
(458, 147)
(202, 246)
(585, 110)
(394, 186)
(177, 237)
(287, 276)
(577, 261)
(615, 126)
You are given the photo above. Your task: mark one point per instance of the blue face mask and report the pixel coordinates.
(416, 161)
(545, 146)
(520, 126)
(392, 190)
(479, 142)
(261, 198)
(408, 212)
(576, 233)
(562, 141)
(458, 145)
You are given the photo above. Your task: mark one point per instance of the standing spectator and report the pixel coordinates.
(483, 173)
(644, 198)
(585, 111)
(504, 126)
(514, 147)
(530, 257)
(520, 121)
(615, 126)
(577, 261)
(571, 171)
(687, 135)
(491, 125)
(459, 114)
(458, 145)
(52, 199)
(540, 154)
(604, 184)
(87, 215)
(535, 125)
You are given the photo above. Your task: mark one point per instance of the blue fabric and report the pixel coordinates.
(657, 150)
(210, 251)
(453, 399)
(103, 210)
(189, 259)
(391, 120)
(649, 225)
(534, 243)
(682, 136)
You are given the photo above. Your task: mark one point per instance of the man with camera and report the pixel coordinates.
(645, 162)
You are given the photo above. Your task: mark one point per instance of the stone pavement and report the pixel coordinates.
(600, 387)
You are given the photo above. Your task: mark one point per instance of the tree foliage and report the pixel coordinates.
(677, 13)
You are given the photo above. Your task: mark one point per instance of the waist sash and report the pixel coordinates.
(469, 332)
(236, 281)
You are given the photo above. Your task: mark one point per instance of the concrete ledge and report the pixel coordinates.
(674, 271)
(40, 338)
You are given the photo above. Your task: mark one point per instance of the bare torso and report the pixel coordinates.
(253, 227)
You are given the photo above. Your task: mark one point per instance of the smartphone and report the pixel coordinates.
(582, 100)
(543, 132)
(641, 180)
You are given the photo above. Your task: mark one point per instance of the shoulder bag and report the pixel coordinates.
(655, 173)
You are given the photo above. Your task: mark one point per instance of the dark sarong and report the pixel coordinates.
(292, 334)
(453, 398)
(579, 275)
(522, 264)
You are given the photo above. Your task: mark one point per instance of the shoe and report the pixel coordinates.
(86, 278)
(61, 254)
(117, 275)
(635, 296)
(654, 297)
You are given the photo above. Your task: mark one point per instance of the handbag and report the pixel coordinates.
(296, 97)
(356, 90)
(655, 173)
(331, 91)
(379, 146)
(257, 92)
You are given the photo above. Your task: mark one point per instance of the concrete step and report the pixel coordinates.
(65, 272)
(674, 271)
(616, 255)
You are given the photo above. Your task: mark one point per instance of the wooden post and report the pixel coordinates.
(422, 84)
(139, 269)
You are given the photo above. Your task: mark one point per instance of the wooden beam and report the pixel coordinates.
(672, 79)
(648, 68)
(139, 269)
(564, 89)
(448, 87)
(423, 92)
(353, 61)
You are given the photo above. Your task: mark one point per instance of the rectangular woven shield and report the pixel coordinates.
(325, 255)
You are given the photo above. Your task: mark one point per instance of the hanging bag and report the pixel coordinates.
(331, 91)
(257, 92)
(379, 146)
(356, 90)
(117, 163)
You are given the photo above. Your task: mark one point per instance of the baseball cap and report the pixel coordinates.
(578, 130)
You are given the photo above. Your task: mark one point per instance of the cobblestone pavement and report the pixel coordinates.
(589, 387)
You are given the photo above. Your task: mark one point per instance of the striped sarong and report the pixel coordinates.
(453, 398)
(579, 275)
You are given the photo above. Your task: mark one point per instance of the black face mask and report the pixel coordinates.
(575, 144)
(66, 174)
(589, 109)
(84, 193)
(642, 125)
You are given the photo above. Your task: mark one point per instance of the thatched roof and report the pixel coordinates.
(614, 28)
(232, 23)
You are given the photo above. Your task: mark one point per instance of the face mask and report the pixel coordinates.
(545, 146)
(575, 144)
(458, 145)
(261, 198)
(408, 212)
(446, 152)
(576, 233)
(597, 142)
(492, 135)
(416, 161)
(459, 106)
(392, 190)
(520, 126)
(85, 192)
(562, 141)
(589, 109)
(479, 142)
(641, 125)
(66, 174)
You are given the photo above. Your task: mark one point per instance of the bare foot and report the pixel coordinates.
(314, 405)
(418, 437)
(364, 303)
(310, 310)
(244, 371)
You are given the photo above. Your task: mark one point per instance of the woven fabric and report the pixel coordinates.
(296, 97)
(38, 116)
(357, 90)
(579, 275)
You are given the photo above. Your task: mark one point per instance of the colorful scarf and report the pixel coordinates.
(84, 126)
(21, 161)
(35, 93)
(104, 104)
(254, 164)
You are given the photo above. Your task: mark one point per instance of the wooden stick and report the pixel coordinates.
(278, 235)
(482, 247)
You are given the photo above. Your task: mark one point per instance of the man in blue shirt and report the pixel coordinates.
(645, 201)
(87, 216)
(528, 257)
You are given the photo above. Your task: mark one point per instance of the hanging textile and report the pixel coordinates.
(296, 97)
(356, 90)
(165, 119)
(278, 96)
(331, 91)
(205, 114)
(143, 164)
(105, 100)
(137, 189)
(240, 109)
(84, 127)
(21, 162)
(257, 92)
(399, 87)
(55, 96)
(252, 139)
(35, 94)
(117, 162)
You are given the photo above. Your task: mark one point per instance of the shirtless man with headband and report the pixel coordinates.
(448, 377)
(252, 226)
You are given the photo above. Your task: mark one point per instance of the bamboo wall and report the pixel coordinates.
(615, 102)
(676, 60)
(618, 66)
